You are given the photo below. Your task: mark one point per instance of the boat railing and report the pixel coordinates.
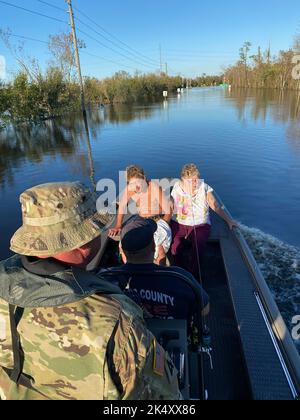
(276, 321)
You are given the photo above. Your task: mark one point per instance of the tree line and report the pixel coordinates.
(34, 95)
(207, 80)
(264, 70)
(50, 95)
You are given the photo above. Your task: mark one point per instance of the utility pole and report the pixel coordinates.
(77, 55)
(167, 69)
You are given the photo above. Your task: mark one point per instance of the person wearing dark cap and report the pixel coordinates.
(160, 289)
(137, 237)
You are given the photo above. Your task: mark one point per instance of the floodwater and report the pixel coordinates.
(246, 143)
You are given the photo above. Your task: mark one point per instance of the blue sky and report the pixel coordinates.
(196, 36)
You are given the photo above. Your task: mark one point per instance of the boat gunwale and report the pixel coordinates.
(277, 323)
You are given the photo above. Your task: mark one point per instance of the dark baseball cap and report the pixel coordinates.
(137, 233)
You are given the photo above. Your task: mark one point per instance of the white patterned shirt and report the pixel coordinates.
(191, 210)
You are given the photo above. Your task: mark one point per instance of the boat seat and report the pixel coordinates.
(160, 288)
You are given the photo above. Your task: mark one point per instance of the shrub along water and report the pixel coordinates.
(124, 88)
(50, 95)
(46, 96)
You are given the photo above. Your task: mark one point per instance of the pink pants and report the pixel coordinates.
(198, 236)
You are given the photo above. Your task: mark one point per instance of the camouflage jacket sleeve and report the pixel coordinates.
(143, 368)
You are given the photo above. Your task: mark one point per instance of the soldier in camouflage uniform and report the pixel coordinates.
(64, 332)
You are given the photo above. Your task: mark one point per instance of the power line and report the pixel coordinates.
(115, 44)
(52, 5)
(83, 52)
(112, 49)
(60, 20)
(98, 33)
(149, 61)
(28, 38)
(106, 59)
(113, 36)
(33, 12)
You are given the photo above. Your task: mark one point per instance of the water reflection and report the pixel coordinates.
(33, 143)
(293, 136)
(121, 113)
(280, 106)
(70, 139)
(61, 138)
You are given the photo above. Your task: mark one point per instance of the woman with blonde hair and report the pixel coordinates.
(193, 199)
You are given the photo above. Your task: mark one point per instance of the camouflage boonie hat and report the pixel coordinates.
(58, 217)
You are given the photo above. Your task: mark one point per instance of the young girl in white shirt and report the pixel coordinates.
(193, 199)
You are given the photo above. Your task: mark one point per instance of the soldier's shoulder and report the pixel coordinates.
(114, 305)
